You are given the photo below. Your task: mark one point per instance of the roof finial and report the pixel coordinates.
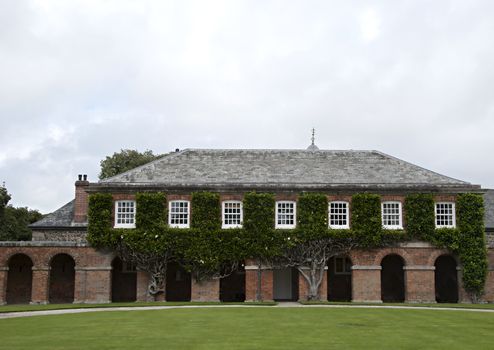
(313, 147)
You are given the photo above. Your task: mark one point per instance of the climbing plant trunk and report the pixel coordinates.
(259, 281)
(313, 275)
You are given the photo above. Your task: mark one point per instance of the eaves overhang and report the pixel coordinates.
(133, 187)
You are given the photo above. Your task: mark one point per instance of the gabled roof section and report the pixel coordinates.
(287, 168)
(60, 218)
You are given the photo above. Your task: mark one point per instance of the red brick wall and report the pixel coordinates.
(93, 271)
(251, 284)
(205, 290)
(81, 201)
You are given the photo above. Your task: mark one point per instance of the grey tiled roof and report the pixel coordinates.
(288, 168)
(489, 209)
(61, 217)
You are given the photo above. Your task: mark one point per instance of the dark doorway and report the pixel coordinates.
(62, 279)
(177, 283)
(392, 279)
(232, 287)
(19, 279)
(123, 281)
(285, 284)
(340, 279)
(446, 279)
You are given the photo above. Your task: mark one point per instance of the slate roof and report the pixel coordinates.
(60, 218)
(281, 168)
(489, 210)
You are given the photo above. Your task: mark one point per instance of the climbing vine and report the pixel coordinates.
(208, 251)
(419, 216)
(366, 219)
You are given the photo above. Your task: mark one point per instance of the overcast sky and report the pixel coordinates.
(80, 80)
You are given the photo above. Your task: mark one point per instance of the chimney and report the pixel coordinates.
(81, 199)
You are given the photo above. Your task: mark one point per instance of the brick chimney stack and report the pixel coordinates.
(81, 199)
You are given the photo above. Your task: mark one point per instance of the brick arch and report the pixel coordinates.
(381, 254)
(438, 253)
(47, 260)
(6, 259)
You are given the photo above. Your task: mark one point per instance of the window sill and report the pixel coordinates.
(226, 227)
(393, 227)
(125, 226)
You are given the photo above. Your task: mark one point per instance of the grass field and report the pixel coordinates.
(253, 328)
(28, 307)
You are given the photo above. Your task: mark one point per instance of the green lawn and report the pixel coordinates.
(253, 328)
(435, 305)
(28, 307)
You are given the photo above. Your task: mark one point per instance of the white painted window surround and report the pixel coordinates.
(125, 212)
(391, 215)
(286, 214)
(231, 214)
(445, 214)
(179, 213)
(339, 214)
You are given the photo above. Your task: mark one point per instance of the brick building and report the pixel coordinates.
(58, 265)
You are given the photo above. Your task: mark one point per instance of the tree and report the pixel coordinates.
(153, 258)
(14, 221)
(310, 257)
(15, 224)
(4, 199)
(125, 160)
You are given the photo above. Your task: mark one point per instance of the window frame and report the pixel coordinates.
(286, 226)
(400, 216)
(453, 215)
(343, 260)
(223, 214)
(187, 225)
(347, 225)
(120, 225)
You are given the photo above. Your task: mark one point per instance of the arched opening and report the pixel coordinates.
(178, 283)
(62, 279)
(285, 284)
(19, 279)
(232, 287)
(123, 281)
(392, 279)
(446, 279)
(340, 279)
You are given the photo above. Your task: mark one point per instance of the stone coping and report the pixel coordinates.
(42, 244)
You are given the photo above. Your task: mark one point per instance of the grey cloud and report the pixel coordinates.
(80, 80)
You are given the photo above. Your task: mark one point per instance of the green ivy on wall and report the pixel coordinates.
(419, 216)
(366, 219)
(207, 250)
(312, 215)
(472, 248)
(150, 210)
(100, 219)
(206, 211)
